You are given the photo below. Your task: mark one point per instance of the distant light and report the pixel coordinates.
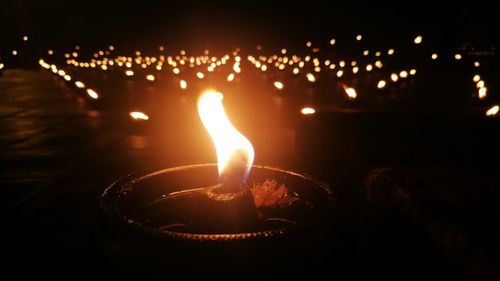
(332, 42)
(50, 52)
(492, 111)
(378, 54)
(390, 52)
(418, 39)
(480, 84)
(366, 52)
(340, 73)
(354, 63)
(434, 56)
(137, 115)
(359, 37)
(111, 48)
(413, 71)
(355, 69)
(150, 77)
(476, 78)
(129, 73)
(79, 85)
(176, 70)
(369, 67)
(14, 52)
(341, 63)
(278, 85)
(381, 84)
(283, 51)
(308, 110)
(378, 64)
(161, 48)
(25, 38)
(351, 93)
(458, 56)
(263, 68)
(92, 94)
(394, 77)
(477, 64)
(310, 77)
(67, 77)
(61, 72)
(1, 65)
(230, 77)
(295, 71)
(482, 92)
(403, 74)
(183, 84)
(308, 44)
(200, 75)
(317, 69)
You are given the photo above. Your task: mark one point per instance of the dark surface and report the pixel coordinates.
(59, 152)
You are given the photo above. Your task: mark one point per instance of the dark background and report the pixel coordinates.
(238, 22)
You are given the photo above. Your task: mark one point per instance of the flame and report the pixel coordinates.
(307, 110)
(231, 146)
(493, 111)
(137, 115)
(92, 94)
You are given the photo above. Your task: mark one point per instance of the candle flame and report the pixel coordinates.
(233, 149)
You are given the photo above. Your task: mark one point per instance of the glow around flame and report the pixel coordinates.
(234, 151)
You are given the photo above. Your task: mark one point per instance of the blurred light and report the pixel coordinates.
(482, 92)
(295, 71)
(308, 44)
(381, 84)
(378, 54)
(79, 85)
(25, 38)
(310, 77)
(492, 111)
(278, 85)
(359, 37)
(477, 64)
(230, 77)
(355, 69)
(264, 67)
(366, 52)
(476, 78)
(67, 77)
(137, 115)
(378, 64)
(50, 52)
(183, 84)
(369, 67)
(129, 73)
(480, 84)
(340, 73)
(92, 94)
(351, 92)
(418, 39)
(394, 77)
(341, 63)
(176, 70)
(150, 77)
(434, 56)
(332, 42)
(307, 110)
(390, 52)
(14, 52)
(403, 74)
(200, 75)
(458, 56)
(413, 71)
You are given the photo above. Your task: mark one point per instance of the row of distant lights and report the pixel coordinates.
(80, 85)
(280, 62)
(174, 62)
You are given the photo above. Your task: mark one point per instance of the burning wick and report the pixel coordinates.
(235, 153)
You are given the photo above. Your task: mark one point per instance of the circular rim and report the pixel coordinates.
(133, 178)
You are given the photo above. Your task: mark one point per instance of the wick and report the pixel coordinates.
(233, 177)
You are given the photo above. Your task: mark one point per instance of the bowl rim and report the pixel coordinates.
(114, 215)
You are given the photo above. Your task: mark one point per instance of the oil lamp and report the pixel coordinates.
(232, 200)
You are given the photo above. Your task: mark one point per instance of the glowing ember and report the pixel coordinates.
(307, 110)
(235, 153)
(137, 115)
